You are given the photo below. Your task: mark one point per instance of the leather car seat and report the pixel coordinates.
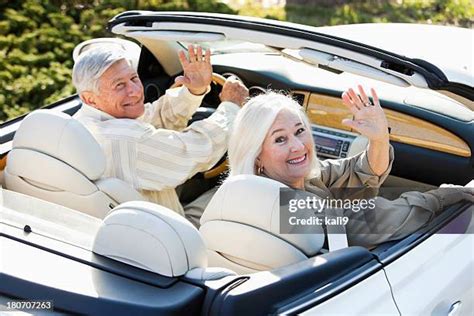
(155, 238)
(55, 158)
(241, 228)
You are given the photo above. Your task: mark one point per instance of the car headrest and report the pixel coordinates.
(151, 237)
(255, 201)
(64, 138)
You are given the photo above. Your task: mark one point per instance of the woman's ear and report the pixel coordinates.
(258, 166)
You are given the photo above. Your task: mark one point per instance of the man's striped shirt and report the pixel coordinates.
(157, 152)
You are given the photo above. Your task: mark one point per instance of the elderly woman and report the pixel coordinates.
(272, 138)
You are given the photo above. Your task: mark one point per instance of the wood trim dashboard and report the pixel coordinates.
(3, 162)
(329, 111)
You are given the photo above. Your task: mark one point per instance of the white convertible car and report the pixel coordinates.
(73, 241)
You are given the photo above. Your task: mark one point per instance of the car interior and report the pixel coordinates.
(49, 158)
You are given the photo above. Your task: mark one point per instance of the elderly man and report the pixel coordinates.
(149, 145)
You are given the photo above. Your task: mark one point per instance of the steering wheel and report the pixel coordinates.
(222, 165)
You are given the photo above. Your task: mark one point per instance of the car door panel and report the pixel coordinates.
(295, 288)
(371, 296)
(433, 276)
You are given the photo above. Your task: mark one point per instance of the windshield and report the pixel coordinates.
(303, 71)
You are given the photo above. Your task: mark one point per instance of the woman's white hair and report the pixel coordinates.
(251, 126)
(92, 64)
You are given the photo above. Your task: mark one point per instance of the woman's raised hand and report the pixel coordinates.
(369, 119)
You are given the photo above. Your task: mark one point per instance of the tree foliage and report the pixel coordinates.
(37, 37)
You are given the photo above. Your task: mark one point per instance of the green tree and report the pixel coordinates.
(37, 39)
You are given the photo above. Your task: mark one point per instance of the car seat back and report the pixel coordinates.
(55, 158)
(241, 228)
(157, 239)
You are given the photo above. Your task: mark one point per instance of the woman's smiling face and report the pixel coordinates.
(287, 150)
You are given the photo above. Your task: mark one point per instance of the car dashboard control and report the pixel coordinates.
(332, 143)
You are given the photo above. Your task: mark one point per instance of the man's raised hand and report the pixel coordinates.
(197, 70)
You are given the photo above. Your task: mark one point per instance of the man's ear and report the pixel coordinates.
(88, 98)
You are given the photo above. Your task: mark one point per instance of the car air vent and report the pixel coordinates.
(152, 92)
(398, 68)
(299, 97)
(256, 90)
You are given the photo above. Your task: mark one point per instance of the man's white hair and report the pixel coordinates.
(251, 126)
(92, 64)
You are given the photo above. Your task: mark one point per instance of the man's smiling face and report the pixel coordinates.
(120, 92)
